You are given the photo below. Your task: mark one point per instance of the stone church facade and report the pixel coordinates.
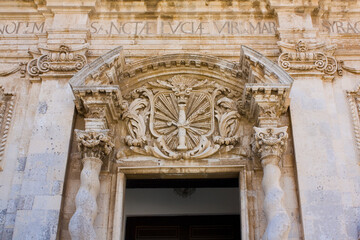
(99, 95)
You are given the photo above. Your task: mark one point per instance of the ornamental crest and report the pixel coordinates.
(181, 118)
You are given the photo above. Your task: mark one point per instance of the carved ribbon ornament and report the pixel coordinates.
(181, 114)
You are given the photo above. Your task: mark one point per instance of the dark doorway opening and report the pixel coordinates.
(184, 228)
(208, 209)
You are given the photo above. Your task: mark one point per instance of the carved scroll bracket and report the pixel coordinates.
(309, 58)
(61, 61)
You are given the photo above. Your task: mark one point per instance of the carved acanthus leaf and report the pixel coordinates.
(95, 144)
(60, 60)
(270, 143)
(179, 114)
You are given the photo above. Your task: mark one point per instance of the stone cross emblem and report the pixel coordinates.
(181, 115)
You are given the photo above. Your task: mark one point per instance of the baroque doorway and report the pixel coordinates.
(180, 115)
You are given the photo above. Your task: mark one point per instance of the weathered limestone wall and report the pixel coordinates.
(320, 171)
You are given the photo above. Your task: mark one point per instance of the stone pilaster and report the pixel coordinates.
(97, 104)
(266, 104)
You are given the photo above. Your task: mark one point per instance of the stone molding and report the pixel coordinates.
(265, 102)
(99, 102)
(7, 101)
(304, 57)
(354, 102)
(63, 60)
(257, 68)
(197, 61)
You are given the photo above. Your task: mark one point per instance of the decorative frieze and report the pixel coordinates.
(6, 112)
(62, 60)
(188, 118)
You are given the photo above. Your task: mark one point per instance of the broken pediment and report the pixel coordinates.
(178, 106)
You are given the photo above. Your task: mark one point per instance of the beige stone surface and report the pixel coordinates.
(43, 44)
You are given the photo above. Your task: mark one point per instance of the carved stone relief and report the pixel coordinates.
(60, 60)
(20, 67)
(6, 112)
(306, 56)
(187, 118)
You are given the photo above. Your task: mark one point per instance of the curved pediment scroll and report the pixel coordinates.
(186, 118)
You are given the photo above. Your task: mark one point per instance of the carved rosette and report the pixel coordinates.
(61, 60)
(181, 115)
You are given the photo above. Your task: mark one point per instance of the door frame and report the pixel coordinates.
(118, 219)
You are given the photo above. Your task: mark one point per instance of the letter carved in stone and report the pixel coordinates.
(270, 143)
(94, 147)
(186, 118)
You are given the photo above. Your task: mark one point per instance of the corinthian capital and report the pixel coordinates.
(270, 143)
(94, 144)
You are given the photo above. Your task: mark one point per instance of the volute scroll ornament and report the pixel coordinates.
(181, 118)
(307, 56)
(63, 59)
